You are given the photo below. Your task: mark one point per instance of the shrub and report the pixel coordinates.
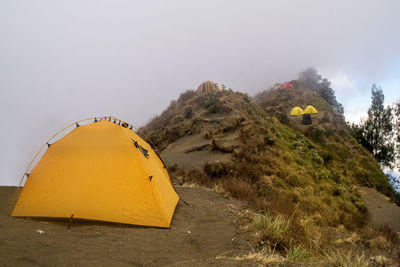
(219, 107)
(283, 117)
(188, 112)
(215, 170)
(317, 134)
(316, 159)
(334, 176)
(247, 98)
(326, 156)
(270, 139)
(292, 179)
(211, 99)
(238, 188)
(184, 97)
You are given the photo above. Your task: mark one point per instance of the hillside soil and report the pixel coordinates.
(382, 210)
(200, 231)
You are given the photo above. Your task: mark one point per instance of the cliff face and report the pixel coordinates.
(202, 127)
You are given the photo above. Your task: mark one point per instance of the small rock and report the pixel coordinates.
(40, 231)
(189, 232)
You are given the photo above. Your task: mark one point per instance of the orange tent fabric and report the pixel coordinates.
(100, 171)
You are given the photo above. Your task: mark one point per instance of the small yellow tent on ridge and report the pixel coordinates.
(310, 110)
(101, 171)
(296, 111)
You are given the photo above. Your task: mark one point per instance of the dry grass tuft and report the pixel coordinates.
(347, 259)
(273, 229)
(264, 256)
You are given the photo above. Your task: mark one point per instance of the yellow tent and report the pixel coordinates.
(208, 86)
(277, 86)
(101, 171)
(310, 110)
(296, 111)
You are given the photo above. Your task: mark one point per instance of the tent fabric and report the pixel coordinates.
(277, 86)
(296, 111)
(208, 86)
(98, 172)
(310, 110)
(287, 85)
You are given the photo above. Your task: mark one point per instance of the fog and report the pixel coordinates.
(62, 61)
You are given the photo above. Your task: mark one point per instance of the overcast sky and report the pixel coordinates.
(62, 61)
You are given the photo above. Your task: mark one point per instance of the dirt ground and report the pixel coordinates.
(382, 210)
(200, 231)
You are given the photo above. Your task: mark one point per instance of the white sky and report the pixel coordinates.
(61, 61)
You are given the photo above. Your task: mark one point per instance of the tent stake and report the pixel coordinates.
(184, 201)
(70, 221)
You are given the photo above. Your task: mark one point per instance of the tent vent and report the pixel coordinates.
(77, 125)
(48, 145)
(114, 120)
(27, 175)
(144, 151)
(151, 177)
(130, 127)
(95, 119)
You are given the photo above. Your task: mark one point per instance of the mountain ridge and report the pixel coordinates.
(305, 176)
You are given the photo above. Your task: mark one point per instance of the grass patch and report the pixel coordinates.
(299, 254)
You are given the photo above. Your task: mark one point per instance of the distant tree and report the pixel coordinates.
(394, 180)
(359, 135)
(311, 79)
(329, 95)
(376, 132)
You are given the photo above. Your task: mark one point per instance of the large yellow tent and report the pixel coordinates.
(310, 110)
(208, 86)
(296, 111)
(100, 171)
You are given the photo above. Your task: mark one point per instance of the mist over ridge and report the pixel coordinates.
(61, 62)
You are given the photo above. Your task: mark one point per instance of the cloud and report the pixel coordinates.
(342, 84)
(61, 61)
(356, 117)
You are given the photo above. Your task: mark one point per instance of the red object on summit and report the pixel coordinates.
(287, 85)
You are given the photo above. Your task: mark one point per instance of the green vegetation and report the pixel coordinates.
(377, 131)
(299, 255)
